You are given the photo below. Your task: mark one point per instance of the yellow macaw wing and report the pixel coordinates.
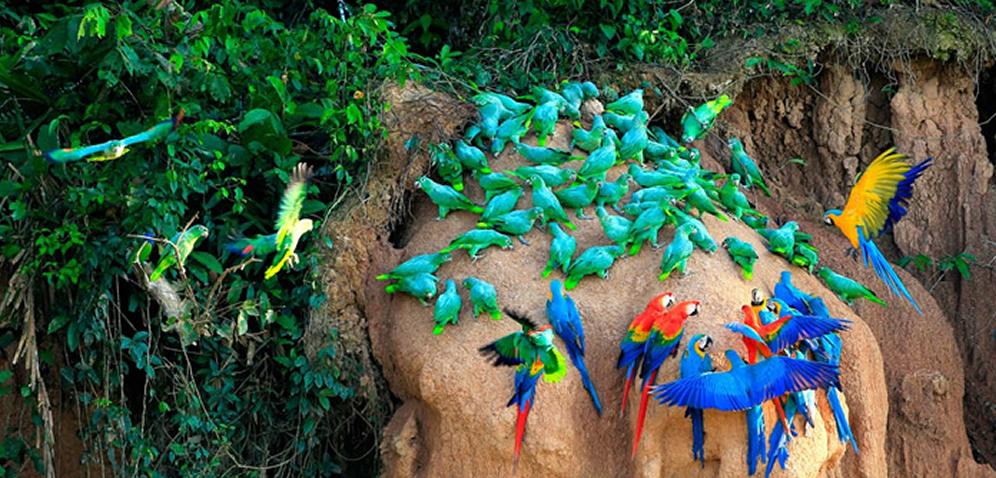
(291, 202)
(868, 203)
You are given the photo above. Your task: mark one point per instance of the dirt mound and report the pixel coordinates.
(453, 420)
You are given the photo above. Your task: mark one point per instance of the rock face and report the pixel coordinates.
(932, 363)
(453, 420)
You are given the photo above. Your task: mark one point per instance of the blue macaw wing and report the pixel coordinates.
(904, 191)
(883, 269)
(745, 330)
(525, 387)
(574, 319)
(804, 327)
(746, 387)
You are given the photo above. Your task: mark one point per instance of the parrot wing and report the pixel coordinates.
(554, 365)
(526, 322)
(292, 200)
(870, 199)
(745, 330)
(574, 321)
(158, 131)
(504, 351)
(804, 327)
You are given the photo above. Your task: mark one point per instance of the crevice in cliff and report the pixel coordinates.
(985, 101)
(401, 224)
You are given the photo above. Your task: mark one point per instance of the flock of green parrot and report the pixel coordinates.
(290, 226)
(792, 342)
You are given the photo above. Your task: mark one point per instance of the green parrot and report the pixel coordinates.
(114, 149)
(698, 233)
(590, 90)
(562, 248)
(471, 157)
(616, 227)
(645, 228)
(677, 253)
(421, 264)
(806, 256)
(545, 121)
(612, 192)
(517, 223)
(552, 175)
(599, 161)
(544, 198)
(743, 255)
(421, 286)
(496, 183)
(634, 142)
(696, 122)
(658, 152)
(483, 297)
(542, 96)
(743, 165)
(447, 310)
(506, 103)
(179, 247)
(543, 155)
(501, 204)
(476, 240)
(625, 123)
(512, 130)
(756, 221)
(648, 179)
(697, 197)
(594, 260)
(579, 196)
(491, 116)
(733, 199)
(846, 288)
(573, 93)
(589, 140)
(447, 164)
(630, 104)
(781, 241)
(446, 198)
(290, 227)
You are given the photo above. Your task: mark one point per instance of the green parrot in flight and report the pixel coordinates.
(113, 149)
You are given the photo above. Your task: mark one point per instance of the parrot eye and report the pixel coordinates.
(828, 220)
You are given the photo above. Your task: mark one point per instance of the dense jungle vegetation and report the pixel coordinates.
(226, 388)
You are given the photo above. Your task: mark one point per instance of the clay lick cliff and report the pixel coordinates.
(904, 411)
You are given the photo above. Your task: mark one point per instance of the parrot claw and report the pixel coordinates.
(522, 240)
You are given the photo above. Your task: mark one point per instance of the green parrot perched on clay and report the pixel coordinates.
(510, 130)
(781, 241)
(290, 226)
(589, 140)
(593, 261)
(743, 165)
(697, 122)
(578, 197)
(501, 204)
(599, 161)
(742, 253)
(630, 104)
(447, 309)
(552, 176)
(421, 286)
(421, 264)
(517, 223)
(545, 121)
(733, 199)
(543, 155)
(496, 183)
(476, 240)
(544, 198)
(616, 228)
(846, 288)
(446, 198)
(611, 192)
(179, 247)
(634, 142)
(471, 157)
(447, 164)
(562, 248)
(676, 254)
(806, 256)
(483, 297)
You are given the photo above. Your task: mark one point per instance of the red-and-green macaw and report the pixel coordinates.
(877, 202)
(179, 247)
(115, 148)
(565, 318)
(773, 338)
(633, 344)
(665, 336)
(533, 354)
(290, 226)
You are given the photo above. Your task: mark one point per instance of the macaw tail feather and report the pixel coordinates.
(777, 449)
(870, 253)
(843, 426)
(698, 434)
(641, 417)
(520, 427)
(780, 411)
(630, 373)
(755, 438)
(578, 361)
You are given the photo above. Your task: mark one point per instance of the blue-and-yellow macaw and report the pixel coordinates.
(563, 315)
(876, 203)
(115, 148)
(695, 362)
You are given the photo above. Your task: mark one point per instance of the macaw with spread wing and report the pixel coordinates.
(532, 352)
(115, 148)
(290, 226)
(876, 203)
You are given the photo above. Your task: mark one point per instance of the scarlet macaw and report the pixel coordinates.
(632, 346)
(532, 352)
(876, 203)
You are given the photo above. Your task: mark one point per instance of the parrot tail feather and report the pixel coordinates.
(630, 373)
(843, 426)
(586, 379)
(547, 271)
(476, 209)
(520, 428)
(571, 282)
(883, 269)
(641, 417)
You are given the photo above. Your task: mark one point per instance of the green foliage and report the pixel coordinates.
(937, 269)
(226, 386)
